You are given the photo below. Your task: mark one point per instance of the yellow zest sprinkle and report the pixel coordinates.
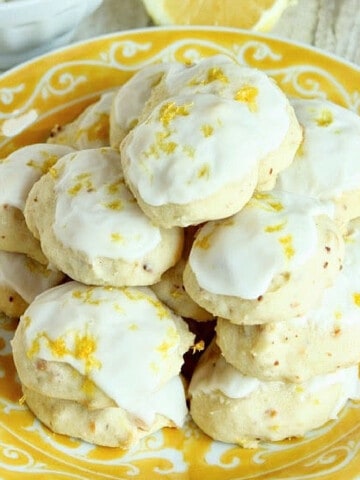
(248, 94)
(116, 237)
(53, 172)
(207, 130)
(204, 172)
(45, 165)
(198, 346)
(338, 315)
(88, 386)
(299, 389)
(288, 247)
(114, 187)
(99, 130)
(57, 347)
(115, 205)
(170, 110)
(325, 118)
(213, 74)
(274, 228)
(83, 182)
(118, 308)
(26, 320)
(161, 310)
(86, 296)
(356, 299)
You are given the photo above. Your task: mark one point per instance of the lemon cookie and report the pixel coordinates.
(269, 262)
(234, 408)
(91, 228)
(21, 280)
(320, 342)
(113, 357)
(18, 172)
(326, 166)
(265, 106)
(91, 129)
(130, 99)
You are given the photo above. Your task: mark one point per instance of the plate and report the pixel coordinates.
(54, 89)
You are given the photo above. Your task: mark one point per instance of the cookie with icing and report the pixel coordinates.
(268, 107)
(270, 262)
(112, 354)
(21, 280)
(234, 408)
(91, 129)
(124, 114)
(18, 173)
(319, 342)
(91, 228)
(326, 166)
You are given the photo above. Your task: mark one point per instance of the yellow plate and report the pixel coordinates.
(54, 89)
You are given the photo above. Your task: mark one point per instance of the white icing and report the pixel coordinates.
(130, 99)
(216, 375)
(327, 163)
(95, 211)
(25, 276)
(340, 304)
(240, 256)
(201, 137)
(124, 339)
(22, 168)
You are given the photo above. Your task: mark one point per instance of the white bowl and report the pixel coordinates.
(32, 27)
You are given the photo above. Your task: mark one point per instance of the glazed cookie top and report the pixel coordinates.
(214, 374)
(125, 113)
(123, 339)
(240, 256)
(327, 163)
(210, 131)
(90, 129)
(25, 276)
(22, 168)
(95, 211)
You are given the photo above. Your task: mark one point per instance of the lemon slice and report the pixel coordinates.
(259, 15)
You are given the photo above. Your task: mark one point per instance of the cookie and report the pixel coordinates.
(21, 280)
(91, 129)
(326, 165)
(234, 408)
(269, 262)
(225, 77)
(18, 172)
(85, 349)
(91, 228)
(198, 154)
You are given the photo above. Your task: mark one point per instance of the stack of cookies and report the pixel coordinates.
(198, 200)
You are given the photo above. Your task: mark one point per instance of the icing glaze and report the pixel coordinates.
(123, 339)
(327, 163)
(240, 256)
(22, 168)
(340, 304)
(25, 276)
(125, 113)
(95, 211)
(204, 132)
(218, 375)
